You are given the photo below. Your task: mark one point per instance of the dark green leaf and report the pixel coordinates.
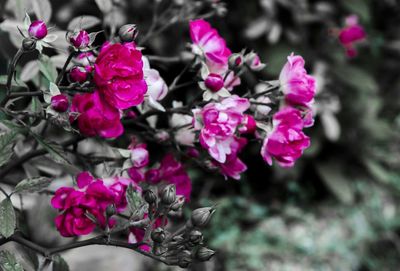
(55, 151)
(6, 147)
(8, 262)
(7, 218)
(59, 264)
(32, 185)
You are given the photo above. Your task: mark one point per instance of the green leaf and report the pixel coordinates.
(8, 262)
(134, 200)
(356, 78)
(55, 151)
(59, 264)
(7, 218)
(47, 68)
(83, 22)
(42, 9)
(333, 177)
(32, 185)
(6, 146)
(30, 256)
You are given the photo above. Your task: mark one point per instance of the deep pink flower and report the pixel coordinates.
(352, 33)
(37, 30)
(95, 117)
(119, 75)
(249, 125)
(74, 222)
(214, 82)
(79, 39)
(299, 87)
(208, 43)
(78, 74)
(60, 103)
(286, 142)
(217, 123)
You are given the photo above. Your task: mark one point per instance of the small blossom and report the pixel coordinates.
(79, 39)
(78, 74)
(60, 103)
(351, 34)
(214, 82)
(140, 156)
(37, 30)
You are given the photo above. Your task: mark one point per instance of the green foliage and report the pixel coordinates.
(6, 146)
(8, 262)
(32, 185)
(7, 218)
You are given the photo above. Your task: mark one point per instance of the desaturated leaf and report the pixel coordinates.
(59, 60)
(359, 7)
(19, 8)
(7, 218)
(14, 83)
(59, 264)
(256, 28)
(42, 9)
(55, 151)
(29, 71)
(8, 262)
(30, 256)
(133, 198)
(6, 146)
(104, 5)
(50, 38)
(54, 90)
(356, 77)
(47, 68)
(83, 22)
(331, 126)
(32, 185)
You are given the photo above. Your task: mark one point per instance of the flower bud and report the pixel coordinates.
(60, 103)
(185, 259)
(204, 254)
(37, 30)
(249, 125)
(235, 61)
(111, 210)
(195, 237)
(158, 235)
(214, 82)
(28, 44)
(128, 32)
(149, 196)
(200, 217)
(78, 74)
(180, 200)
(254, 62)
(168, 194)
(79, 39)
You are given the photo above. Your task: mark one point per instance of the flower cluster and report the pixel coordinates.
(351, 34)
(84, 208)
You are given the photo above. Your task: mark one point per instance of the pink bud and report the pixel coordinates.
(60, 103)
(139, 157)
(214, 82)
(193, 152)
(78, 74)
(249, 125)
(37, 30)
(79, 39)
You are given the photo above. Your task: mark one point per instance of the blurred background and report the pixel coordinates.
(338, 208)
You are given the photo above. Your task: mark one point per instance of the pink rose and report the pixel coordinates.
(208, 43)
(299, 87)
(352, 33)
(119, 75)
(286, 142)
(79, 39)
(74, 222)
(95, 117)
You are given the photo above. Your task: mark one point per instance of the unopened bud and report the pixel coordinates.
(200, 217)
(158, 235)
(180, 200)
(111, 210)
(78, 74)
(204, 254)
(60, 103)
(168, 194)
(28, 44)
(235, 61)
(128, 32)
(79, 39)
(214, 82)
(149, 196)
(37, 30)
(195, 237)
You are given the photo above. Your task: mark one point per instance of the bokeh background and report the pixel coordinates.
(338, 208)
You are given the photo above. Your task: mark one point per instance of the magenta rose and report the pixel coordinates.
(119, 75)
(95, 117)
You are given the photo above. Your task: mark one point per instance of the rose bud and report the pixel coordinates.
(254, 62)
(168, 194)
(204, 254)
(195, 237)
(111, 210)
(235, 61)
(149, 196)
(200, 217)
(79, 39)
(214, 82)
(28, 44)
(78, 74)
(249, 125)
(37, 30)
(158, 235)
(60, 103)
(180, 200)
(128, 32)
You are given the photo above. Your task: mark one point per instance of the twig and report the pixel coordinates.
(61, 74)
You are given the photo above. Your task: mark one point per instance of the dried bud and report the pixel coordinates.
(200, 217)
(204, 254)
(37, 30)
(60, 103)
(168, 194)
(111, 210)
(128, 32)
(235, 61)
(28, 44)
(195, 237)
(158, 235)
(149, 196)
(180, 200)
(214, 82)
(78, 74)
(79, 39)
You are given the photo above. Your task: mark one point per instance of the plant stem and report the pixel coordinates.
(61, 74)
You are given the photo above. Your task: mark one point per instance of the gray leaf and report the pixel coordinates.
(7, 218)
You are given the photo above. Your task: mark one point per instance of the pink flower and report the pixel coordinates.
(37, 30)
(217, 123)
(299, 87)
(79, 39)
(351, 34)
(208, 43)
(60, 103)
(140, 156)
(249, 125)
(156, 86)
(78, 74)
(74, 222)
(214, 82)
(95, 117)
(119, 75)
(286, 142)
